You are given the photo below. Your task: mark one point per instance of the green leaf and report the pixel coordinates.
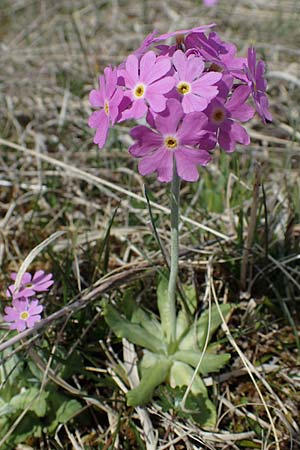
(196, 336)
(67, 410)
(32, 397)
(190, 296)
(152, 377)
(149, 360)
(133, 332)
(164, 307)
(210, 362)
(6, 408)
(150, 323)
(181, 375)
(182, 324)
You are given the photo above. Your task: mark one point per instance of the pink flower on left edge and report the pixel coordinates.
(30, 285)
(108, 98)
(22, 314)
(146, 84)
(175, 138)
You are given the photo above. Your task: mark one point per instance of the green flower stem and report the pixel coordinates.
(175, 187)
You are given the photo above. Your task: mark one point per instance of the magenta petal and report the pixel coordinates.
(147, 64)
(195, 67)
(161, 87)
(192, 128)
(160, 161)
(165, 169)
(33, 310)
(101, 133)
(157, 102)
(226, 142)
(252, 60)
(97, 119)
(205, 91)
(137, 110)
(26, 278)
(168, 124)
(111, 81)
(40, 274)
(180, 63)
(239, 96)
(132, 69)
(243, 112)
(32, 320)
(192, 103)
(20, 304)
(187, 161)
(11, 314)
(239, 133)
(96, 99)
(19, 325)
(149, 163)
(43, 286)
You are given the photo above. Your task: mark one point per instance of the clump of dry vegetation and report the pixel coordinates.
(240, 235)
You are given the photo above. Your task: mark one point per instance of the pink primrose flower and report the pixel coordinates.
(108, 97)
(146, 83)
(22, 314)
(210, 3)
(30, 285)
(223, 117)
(257, 85)
(217, 52)
(175, 139)
(193, 86)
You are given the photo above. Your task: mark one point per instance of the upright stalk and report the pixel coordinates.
(174, 251)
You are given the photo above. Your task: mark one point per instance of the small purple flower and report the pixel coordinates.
(175, 139)
(23, 314)
(257, 85)
(146, 84)
(30, 285)
(223, 117)
(210, 3)
(108, 97)
(222, 55)
(195, 88)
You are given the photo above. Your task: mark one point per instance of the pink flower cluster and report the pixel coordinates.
(192, 96)
(25, 310)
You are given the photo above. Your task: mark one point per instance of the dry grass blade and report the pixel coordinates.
(33, 254)
(249, 367)
(81, 174)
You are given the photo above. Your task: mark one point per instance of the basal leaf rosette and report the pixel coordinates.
(174, 365)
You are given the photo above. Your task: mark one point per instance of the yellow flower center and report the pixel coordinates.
(183, 87)
(170, 142)
(24, 315)
(139, 91)
(106, 108)
(218, 115)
